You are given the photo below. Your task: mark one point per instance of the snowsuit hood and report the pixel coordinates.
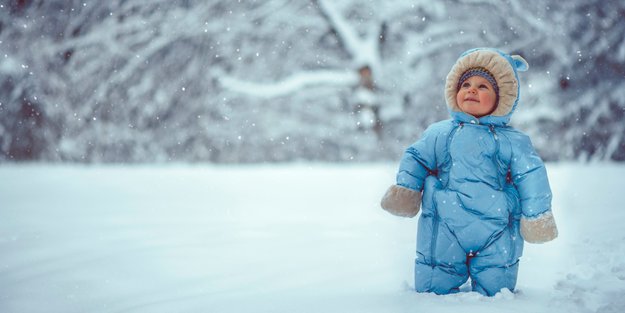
(504, 68)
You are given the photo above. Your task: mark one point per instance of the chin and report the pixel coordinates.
(475, 114)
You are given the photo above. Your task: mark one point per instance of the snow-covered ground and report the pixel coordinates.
(274, 238)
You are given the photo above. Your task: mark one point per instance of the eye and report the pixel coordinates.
(483, 86)
(465, 85)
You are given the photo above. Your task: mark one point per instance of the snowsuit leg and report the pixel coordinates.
(440, 265)
(496, 266)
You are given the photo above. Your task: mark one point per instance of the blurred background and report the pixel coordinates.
(224, 81)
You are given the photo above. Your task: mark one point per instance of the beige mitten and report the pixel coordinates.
(401, 201)
(540, 229)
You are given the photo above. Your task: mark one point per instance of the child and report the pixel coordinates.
(481, 186)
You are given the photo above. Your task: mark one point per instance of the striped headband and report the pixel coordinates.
(479, 71)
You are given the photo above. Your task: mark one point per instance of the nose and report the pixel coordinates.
(472, 90)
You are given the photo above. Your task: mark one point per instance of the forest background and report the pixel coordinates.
(222, 81)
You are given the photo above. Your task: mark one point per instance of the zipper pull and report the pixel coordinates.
(492, 130)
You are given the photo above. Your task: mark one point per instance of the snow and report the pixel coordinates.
(101, 67)
(350, 38)
(273, 238)
(290, 84)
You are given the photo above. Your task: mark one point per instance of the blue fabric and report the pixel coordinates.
(478, 178)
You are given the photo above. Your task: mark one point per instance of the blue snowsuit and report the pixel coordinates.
(478, 177)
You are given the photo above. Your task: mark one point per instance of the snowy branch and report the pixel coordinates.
(364, 51)
(615, 141)
(352, 42)
(291, 84)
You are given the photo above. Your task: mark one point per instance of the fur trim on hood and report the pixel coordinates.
(504, 68)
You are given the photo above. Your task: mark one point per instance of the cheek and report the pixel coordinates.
(459, 97)
(488, 99)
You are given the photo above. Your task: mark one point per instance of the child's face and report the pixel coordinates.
(476, 96)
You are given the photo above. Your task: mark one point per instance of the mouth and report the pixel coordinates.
(471, 99)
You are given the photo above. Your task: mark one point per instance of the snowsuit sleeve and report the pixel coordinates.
(418, 161)
(530, 178)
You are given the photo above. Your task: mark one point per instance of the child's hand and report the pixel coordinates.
(401, 201)
(539, 230)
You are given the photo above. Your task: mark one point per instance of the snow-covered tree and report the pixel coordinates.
(592, 83)
(251, 81)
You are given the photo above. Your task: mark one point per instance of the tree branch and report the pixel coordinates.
(291, 84)
(346, 34)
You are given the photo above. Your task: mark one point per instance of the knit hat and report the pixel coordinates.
(495, 66)
(478, 71)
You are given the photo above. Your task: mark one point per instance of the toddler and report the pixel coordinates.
(481, 187)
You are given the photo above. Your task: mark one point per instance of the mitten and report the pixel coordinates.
(401, 201)
(540, 229)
